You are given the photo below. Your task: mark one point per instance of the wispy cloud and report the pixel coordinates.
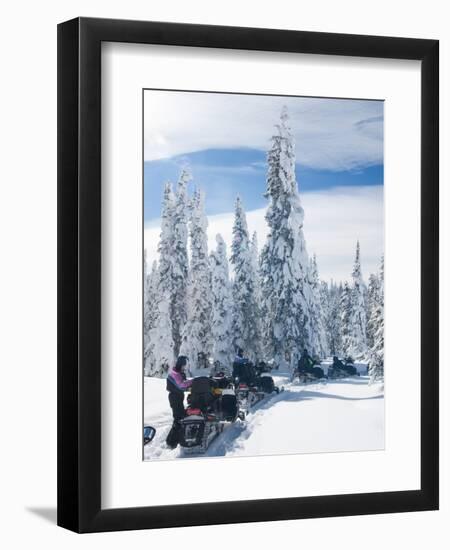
(330, 134)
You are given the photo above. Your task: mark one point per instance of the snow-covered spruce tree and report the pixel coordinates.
(222, 304)
(146, 305)
(196, 343)
(345, 306)
(333, 324)
(358, 341)
(324, 294)
(256, 294)
(180, 261)
(245, 307)
(318, 339)
(160, 348)
(372, 301)
(159, 351)
(150, 313)
(284, 260)
(376, 355)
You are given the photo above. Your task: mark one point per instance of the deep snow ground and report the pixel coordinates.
(342, 415)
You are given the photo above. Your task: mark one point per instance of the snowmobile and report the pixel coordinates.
(210, 409)
(251, 389)
(335, 373)
(343, 370)
(310, 374)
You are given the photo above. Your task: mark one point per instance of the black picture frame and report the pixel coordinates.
(79, 274)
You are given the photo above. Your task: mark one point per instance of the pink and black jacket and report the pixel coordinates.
(176, 382)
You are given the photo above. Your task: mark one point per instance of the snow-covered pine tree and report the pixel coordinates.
(245, 306)
(325, 304)
(372, 301)
(333, 324)
(358, 342)
(222, 304)
(256, 285)
(318, 339)
(180, 261)
(284, 260)
(196, 344)
(145, 285)
(376, 356)
(160, 348)
(159, 351)
(165, 245)
(150, 313)
(346, 314)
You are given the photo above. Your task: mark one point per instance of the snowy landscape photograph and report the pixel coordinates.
(263, 275)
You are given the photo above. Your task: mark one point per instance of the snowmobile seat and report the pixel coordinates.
(201, 384)
(201, 393)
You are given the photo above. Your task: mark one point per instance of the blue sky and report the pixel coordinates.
(226, 173)
(224, 139)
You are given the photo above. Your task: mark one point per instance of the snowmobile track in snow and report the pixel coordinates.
(300, 419)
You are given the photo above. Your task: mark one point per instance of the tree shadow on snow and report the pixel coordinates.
(309, 394)
(357, 381)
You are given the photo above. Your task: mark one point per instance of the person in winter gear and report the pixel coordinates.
(337, 369)
(176, 385)
(305, 363)
(238, 363)
(243, 370)
(337, 363)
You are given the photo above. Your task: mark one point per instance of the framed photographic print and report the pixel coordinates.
(248, 275)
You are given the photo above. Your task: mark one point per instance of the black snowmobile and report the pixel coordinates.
(341, 369)
(210, 409)
(309, 372)
(252, 384)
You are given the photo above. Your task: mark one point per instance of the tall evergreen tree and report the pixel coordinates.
(222, 303)
(245, 307)
(358, 341)
(372, 302)
(334, 323)
(318, 340)
(165, 245)
(150, 313)
(345, 306)
(325, 304)
(257, 296)
(376, 355)
(159, 352)
(196, 342)
(284, 261)
(180, 261)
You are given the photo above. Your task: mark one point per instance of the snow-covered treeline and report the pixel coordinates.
(354, 318)
(204, 304)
